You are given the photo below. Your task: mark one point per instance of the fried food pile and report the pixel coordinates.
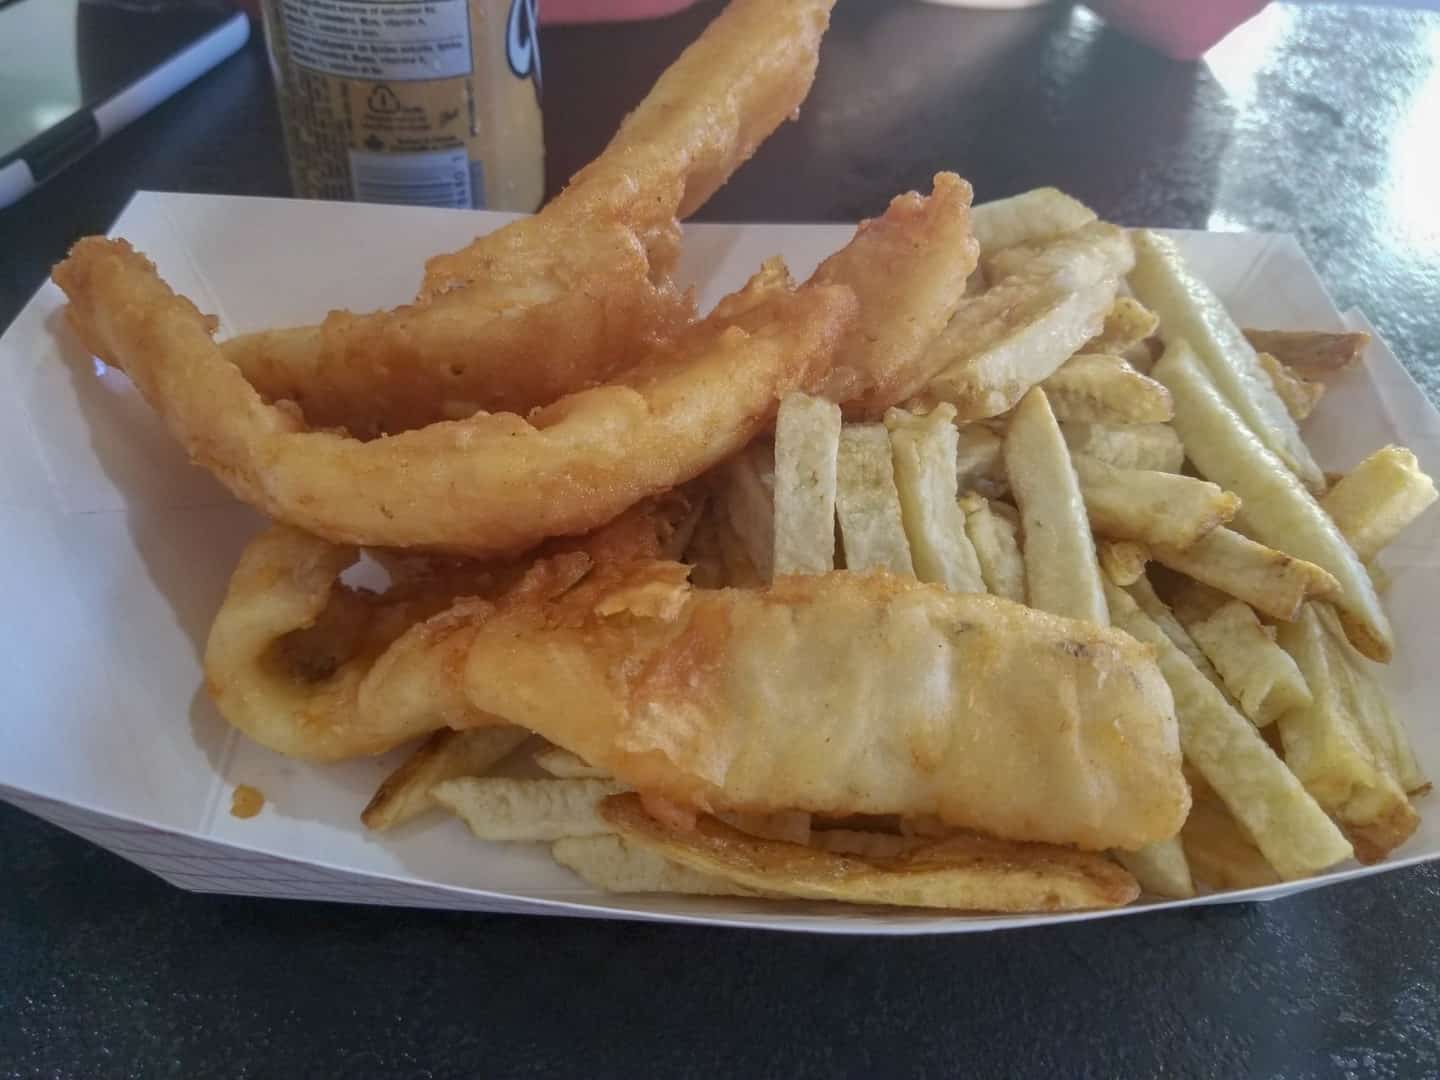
(986, 569)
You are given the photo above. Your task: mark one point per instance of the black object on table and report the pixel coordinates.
(1323, 127)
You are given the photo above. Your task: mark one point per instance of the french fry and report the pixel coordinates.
(1127, 324)
(1261, 676)
(749, 485)
(1190, 312)
(405, 793)
(980, 461)
(1160, 868)
(868, 503)
(1299, 395)
(738, 569)
(1313, 353)
(498, 808)
(923, 450)
(965, 872)
(1155, 447)
(704, 553)
(615, 865)
(997, 547)
(1326, 747)
(1279, 815)
(1102, 388)
(1155, 609)
(1041, 214)
(1378, 498)
(1061, 572)
(1270, 581)
(1123, 561)
(1279, 511)
(1221, 856)
(562, 764)
(807, 443)
(1152, 507)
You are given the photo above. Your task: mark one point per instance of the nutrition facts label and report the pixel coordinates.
(395, 40)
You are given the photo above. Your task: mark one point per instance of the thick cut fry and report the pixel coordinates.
(1155, 447)
(563, 765)
(1145, 597)
(1279, 511)
(1221, 856)
(1061, 573)
(1190, 312)
(1127, 324)
(997, 548)
(446, 754)
(1004, 341)
(1377, 499)
(980, 461)
(1122, 560)
(1152, 507)
(490, 485)
(842, 694)
(1099, 388)
(1326, 747)
(970, 873)
(1285, 822)
(1040, 214)
(749, 486)
(1160, 868)
(868, 503)
(1299, 395)
(1270, 581)
(1313, 353)
(908, 269)
(617, 865)
(923, 449)
(807, 444)
(1261, 676)
(497, 808)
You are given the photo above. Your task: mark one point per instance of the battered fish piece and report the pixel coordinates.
(492, 485)
(845, 694)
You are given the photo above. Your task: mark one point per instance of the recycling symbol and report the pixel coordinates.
(383, 100)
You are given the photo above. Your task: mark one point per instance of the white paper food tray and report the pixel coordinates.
(117, 553)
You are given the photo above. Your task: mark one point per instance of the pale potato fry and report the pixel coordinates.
(1127, 324)
(1122, 560)
(1269, 581)
(1278, 510)
(1040, 214)
(791, 826)
(1314, 353)
(980, 461)
(1299, 395)
(1144, 595)
(923, 450)
(1221, 856)
(562, 764)
(1378, 498)
(749, 487)
(405, 793)
(965, 872)
(1260, 676)
(1326, 747)
(616, 865)
(1100, 388)
(1280, 816)
(738, 569)
(807, 443)
(1155, 447)
(1061, 572)
(1152, 507)
(1189, 311)
(498, 808)
(1161, 868)
(996, 540)
(868, 503)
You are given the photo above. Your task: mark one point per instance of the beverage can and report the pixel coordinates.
(429, 102)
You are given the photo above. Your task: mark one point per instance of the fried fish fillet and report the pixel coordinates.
(494, 484)
(842, 694)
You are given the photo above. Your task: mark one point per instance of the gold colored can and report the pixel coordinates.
(429, 102)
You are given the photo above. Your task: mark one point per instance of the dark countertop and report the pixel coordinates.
(1319, 121)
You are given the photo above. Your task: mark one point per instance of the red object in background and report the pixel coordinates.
(1181, 29)
(591, 11)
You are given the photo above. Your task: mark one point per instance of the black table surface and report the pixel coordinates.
(1320, 121)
